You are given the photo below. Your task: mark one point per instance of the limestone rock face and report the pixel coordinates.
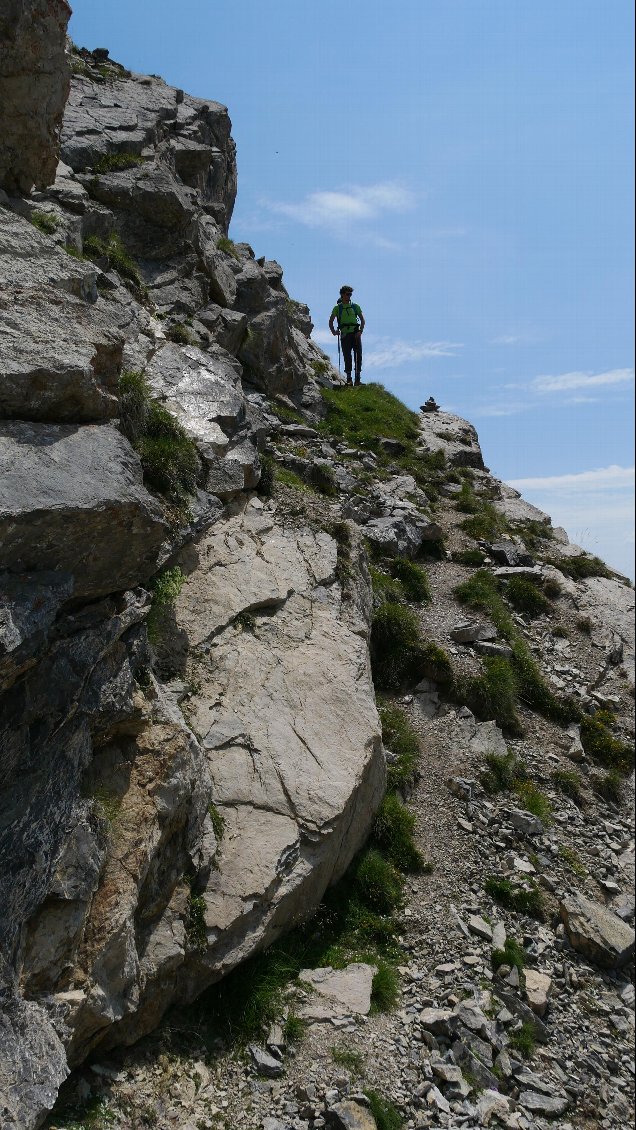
(453, 437)
(34, 84)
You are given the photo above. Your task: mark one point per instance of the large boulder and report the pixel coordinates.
(72, 499)
(596, 932)
(452, 437)
(34, 85)
(281, 701)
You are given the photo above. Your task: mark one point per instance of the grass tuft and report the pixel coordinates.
(169, 458)
(582, 566)
(412, 578)
(471, 557)
(523, 1040)
(386, 1115)
(117, 162)
(568, 782)
(600, 744)
(522, 899)
(384, 987)
(45, 222)
(348, 1059)
(527, 597)
(402, 740)
(114, 251)
(395, 646)
(533, 800)
(512, 954)
(393, 833)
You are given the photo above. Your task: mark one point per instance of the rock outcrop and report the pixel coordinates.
(34, 85)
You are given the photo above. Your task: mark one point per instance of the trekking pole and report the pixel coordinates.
(338, 352)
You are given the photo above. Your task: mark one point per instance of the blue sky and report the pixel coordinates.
(466, 165)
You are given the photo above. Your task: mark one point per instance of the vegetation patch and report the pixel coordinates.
(228, 246)
(290, 479)
(117, 162)
(395, 646)
(492, 695)
(393, 833)
(481, 592)
(533, 800)
(265, 486)
(285, 414)
(401, 739)
(525, 596)
(582, 566)
(164, 590)
(180, 334)
(609, 786)
(196, 933)
(341, 534)
(350, 1060)
(45, 222)
(412, 578)
(113, 250)
(218, 822)
(523, 1040)
(94, 1114)
(512, 954)
(361, 418)
(573, 861)
(386, 1115)
(486, 524)
(470, 557)
(354, 922)
(502, 772)
(568, 782)
(526, 899)
(602, 746)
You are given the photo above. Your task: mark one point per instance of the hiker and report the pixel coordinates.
(350, 326)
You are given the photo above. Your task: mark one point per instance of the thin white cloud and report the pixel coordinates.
(596, 508)
(501, 408)
(613, 477)
(506, 339)
(390, 354)
(322, 337)
(357, 204)
(564, 382)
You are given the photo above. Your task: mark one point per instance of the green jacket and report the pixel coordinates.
(347, 315)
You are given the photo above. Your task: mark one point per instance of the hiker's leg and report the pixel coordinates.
(358, 356)
(347, 344)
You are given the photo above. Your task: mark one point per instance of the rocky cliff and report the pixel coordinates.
(191, 751)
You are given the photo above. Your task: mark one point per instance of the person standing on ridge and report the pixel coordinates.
(350, 321)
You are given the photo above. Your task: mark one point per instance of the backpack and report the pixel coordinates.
(356, 309)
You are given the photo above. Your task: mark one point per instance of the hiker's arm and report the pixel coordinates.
(361, 321)
(331, 322)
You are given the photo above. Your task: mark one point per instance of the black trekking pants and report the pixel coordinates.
(352, 344)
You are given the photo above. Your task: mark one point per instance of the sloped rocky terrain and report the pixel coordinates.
(212, 559)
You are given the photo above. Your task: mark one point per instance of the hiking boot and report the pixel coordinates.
(349, 381)
(358, 381)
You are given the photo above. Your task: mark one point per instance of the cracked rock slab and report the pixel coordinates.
(284, 709)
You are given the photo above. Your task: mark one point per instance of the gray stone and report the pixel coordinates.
(480, 927)
(350, 1115)
(265, 1063)
(471, 630)
(510, 553)
(596, 932)
(72, 499)
(492, 1104)
(437, 1020)
(454, 437)
(34, 85)
(538, 988)
(499, 650)
(538, 1103)
(524, 822)
(338, 992)
(488, 738)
